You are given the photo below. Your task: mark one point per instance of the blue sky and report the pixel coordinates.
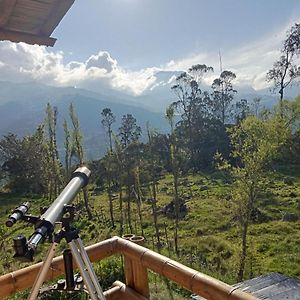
(130, 45)
(144, 33)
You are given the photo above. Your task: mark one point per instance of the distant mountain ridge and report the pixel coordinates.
(23, 105)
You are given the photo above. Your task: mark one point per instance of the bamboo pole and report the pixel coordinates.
(128, 269)
(140, 273)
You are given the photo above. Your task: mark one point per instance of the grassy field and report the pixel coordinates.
(209, 235)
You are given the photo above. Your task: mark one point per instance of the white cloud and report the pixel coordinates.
(103, 61)
(249, 62)
(22, 62)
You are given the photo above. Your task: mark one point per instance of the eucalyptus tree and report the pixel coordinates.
(54, 169)
(108, 119)
(78, 151)
(286, 70)
(68, 148)
(223, 94)
(192, 103)
(170, 113)
(129, 133)
(153, 167)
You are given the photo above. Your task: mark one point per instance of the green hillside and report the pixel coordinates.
(209, 236)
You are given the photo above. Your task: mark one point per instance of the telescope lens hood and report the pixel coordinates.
(84, 173)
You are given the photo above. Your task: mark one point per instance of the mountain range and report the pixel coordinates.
(23, 106)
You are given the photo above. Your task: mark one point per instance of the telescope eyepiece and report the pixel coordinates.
(20, 245)
(10, 222)
(17, 214)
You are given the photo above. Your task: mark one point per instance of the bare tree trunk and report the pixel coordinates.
(86, 203)
(244, 252)
(175, 175)
(138, 197)
(245, 224)
(154, 211)
(129, 203)
(111, 209)
(121, 211)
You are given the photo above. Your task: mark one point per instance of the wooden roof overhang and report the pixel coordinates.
(31, 21)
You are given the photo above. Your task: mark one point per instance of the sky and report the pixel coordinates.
(124, 44)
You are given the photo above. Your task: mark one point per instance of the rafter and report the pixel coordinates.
(17, 37)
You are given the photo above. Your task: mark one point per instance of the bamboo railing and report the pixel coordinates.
(137, 260)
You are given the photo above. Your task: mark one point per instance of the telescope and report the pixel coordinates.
(44, 225)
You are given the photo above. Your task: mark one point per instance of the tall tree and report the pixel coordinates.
(54, 170)
(79, 152)
(175, 171)
(285, 70)
(154, 168)
(118, 167)
(223, 94)
(67, 145)
(255, 143)
(108, 119)
(129, 134)
(129, 131)
(192, 103)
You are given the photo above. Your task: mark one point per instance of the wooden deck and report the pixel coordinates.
(273, 286)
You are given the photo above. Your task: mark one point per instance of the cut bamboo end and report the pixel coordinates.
(140, 240)
(128, 236)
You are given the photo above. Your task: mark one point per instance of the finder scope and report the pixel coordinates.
(17, 214)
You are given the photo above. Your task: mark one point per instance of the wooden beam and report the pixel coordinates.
(15, 36)
(6, 8)
(59, 10)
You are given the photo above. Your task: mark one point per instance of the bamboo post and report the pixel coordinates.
(120, 291)
(140, 273)
(128, 264)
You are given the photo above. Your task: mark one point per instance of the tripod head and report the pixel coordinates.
(44, 224)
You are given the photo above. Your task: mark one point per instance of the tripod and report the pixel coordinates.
(83, 262)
